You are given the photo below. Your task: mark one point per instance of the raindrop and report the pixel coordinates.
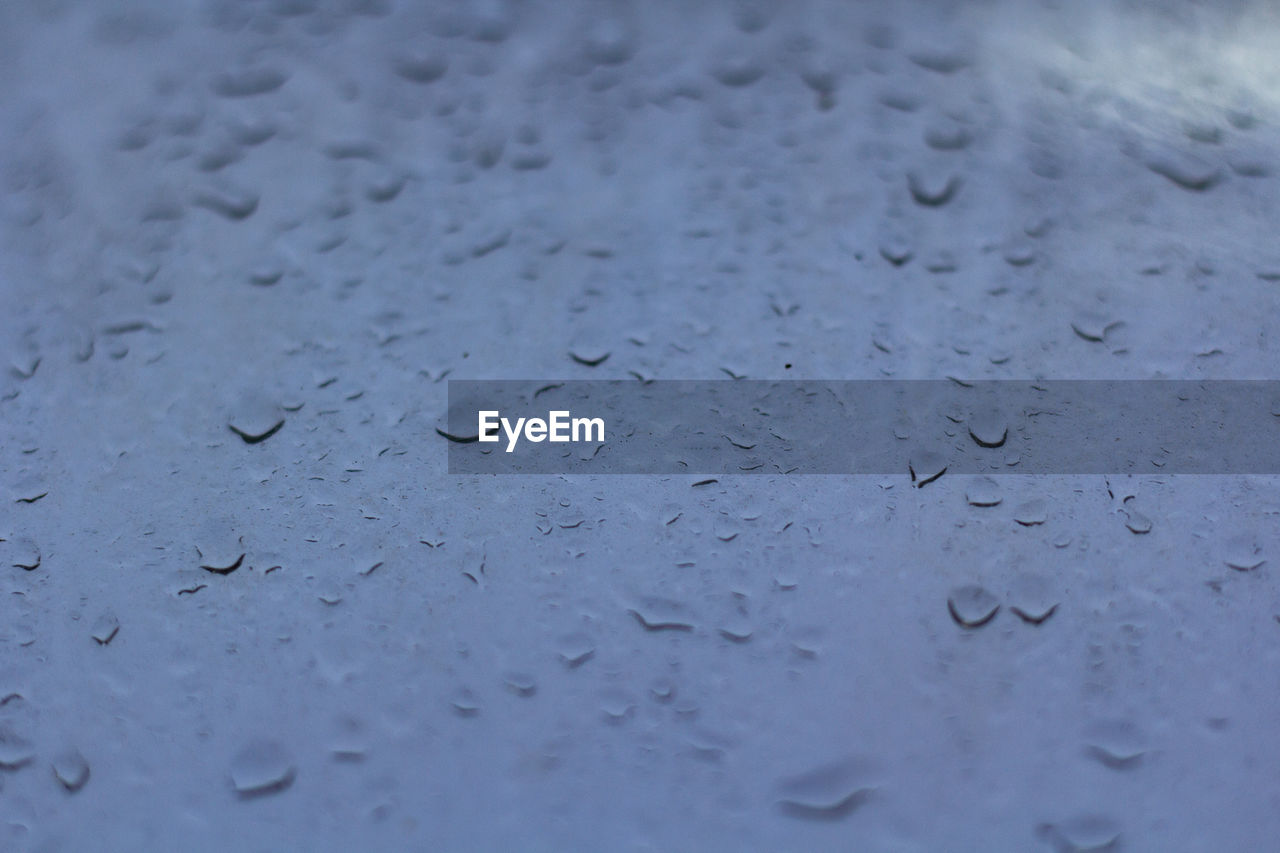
(520, 683)
(948, 136)
(736, 631)
(266, 274)
(229, 203)
(71, 770)
(1187, 171)
(1033, 598)
(1020, 255)
(465, 703)
(256, 418)
(1116, 744)
(933, 190)
(663, 690)
(25, 554)
(15, 751)
(828, 792)
(385, 186)
(972, 606)
(590, 358)
(983, 491)
(420, 67)
(575, 649)
(1032, 512)
(1138, 523)
(1083, 834)
(616, 706)
(988, 429)
(661, 614)
(735, 69)
(221, 551)
(1093, 326)
(262, 767)
(609, 41)
(247, 82)
(926, 466)
(1244, 555)
(896, 251)
(105, 628)
(941, 61)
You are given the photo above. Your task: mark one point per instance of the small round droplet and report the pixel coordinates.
(520, 683)
(1093, 326)
(1116, 744)
(1031, 513)
(15, 750)
(255, 418)
(71, 770)
(1244, 555)
(828, 792)
(1033, 598)
(105, 628)
(983, 491)
(988, 429)
(1138, 523)
(262, 767)
(972, 606)
(926, 466)
(933, 190)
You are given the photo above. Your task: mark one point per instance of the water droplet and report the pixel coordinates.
(1116, 744)
(1138, 523)
(616, 706)
(520, 683)
(575, 649)
(661, 614)
(24, 554)
(1243, 554)
(228, 202)
(609, 40)
(256, 418)
(926, 466)
(983, 491)
(988, 428)
(247, 82)
(737, 69)
(1033, 598)
(465, 703)
(105, 628)
(16, 751)
(1032, 512)
(417, 67)
(947, 136)
(972, 606)
(1092, 325)
(933, 190)
(1020, 255)
(221, 550)
(1185, 170)
(896, 251)
(262, 767)
(829, 792)
(71, 770)
(941, 60)
(1082, 834)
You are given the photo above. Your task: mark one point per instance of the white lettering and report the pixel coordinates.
(513, 435)
(559, 426)
(488, 426)
(588, 424)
